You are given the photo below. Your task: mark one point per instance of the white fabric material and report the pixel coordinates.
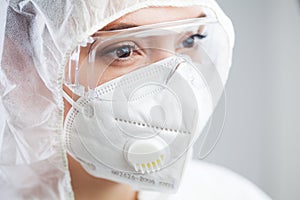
(204, 181)
(36, 38)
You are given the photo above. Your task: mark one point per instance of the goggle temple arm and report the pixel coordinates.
(76, 87)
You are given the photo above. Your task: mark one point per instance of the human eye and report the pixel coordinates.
(120, 54)
(191, 41)
(191, 37)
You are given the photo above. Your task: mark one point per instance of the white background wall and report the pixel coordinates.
(261, 137)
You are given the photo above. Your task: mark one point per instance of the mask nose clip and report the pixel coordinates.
(179, 61)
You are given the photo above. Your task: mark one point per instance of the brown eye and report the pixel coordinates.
(120, 54)
(119, 51)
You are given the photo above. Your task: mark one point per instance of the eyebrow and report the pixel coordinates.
(121, 26)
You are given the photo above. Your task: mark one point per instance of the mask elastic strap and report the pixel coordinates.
(72, 102)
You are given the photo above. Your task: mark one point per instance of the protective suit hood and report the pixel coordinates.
(36, 40)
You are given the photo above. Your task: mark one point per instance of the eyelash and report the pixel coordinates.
(199, 36)
(110, 50)
(110, 56)
(113, 50)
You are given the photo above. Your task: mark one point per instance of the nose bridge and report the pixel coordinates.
(160, 54)
(164, 47)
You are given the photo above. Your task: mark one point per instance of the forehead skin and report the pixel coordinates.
(154, 15)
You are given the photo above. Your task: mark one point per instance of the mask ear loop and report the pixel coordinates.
(72, 102)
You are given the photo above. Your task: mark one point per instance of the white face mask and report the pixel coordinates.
(137, 129)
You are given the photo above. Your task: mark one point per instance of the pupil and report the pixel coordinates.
(189, 42)
(123, 51)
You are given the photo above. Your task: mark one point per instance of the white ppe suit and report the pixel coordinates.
(36, 40)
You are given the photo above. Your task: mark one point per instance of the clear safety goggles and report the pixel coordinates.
(110, 54)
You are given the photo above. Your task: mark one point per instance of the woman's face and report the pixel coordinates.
(129, 56)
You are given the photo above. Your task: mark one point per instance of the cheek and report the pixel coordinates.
(67, 107)
(111, 73)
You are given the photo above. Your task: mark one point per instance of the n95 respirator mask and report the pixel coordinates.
(140, 99)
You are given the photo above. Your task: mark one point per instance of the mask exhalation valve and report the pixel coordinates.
(147, 155)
